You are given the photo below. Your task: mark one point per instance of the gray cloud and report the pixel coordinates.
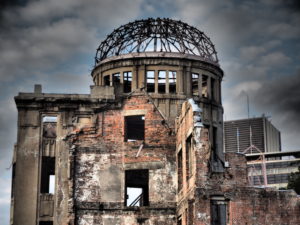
(53, 42)
(280, 98)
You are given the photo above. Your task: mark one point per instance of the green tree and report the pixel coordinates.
(294, 181)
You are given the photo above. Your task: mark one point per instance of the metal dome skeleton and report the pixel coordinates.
(157, 35)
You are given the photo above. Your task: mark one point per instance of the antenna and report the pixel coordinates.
(248, 108)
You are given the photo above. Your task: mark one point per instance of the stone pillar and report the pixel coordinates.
(188, 79)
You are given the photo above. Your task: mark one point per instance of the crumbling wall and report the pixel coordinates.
(210, 197)
(101, 155)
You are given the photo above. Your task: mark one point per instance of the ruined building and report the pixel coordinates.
(144, 147)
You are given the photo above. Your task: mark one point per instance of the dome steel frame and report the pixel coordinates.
(157, 35)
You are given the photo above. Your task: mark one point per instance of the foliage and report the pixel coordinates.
(294, 181)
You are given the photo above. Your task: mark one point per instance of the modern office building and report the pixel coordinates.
(260, 132)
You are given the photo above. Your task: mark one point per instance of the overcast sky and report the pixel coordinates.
(53, 43)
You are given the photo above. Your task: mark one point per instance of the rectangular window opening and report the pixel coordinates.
(106, 80)
(195, 84)
(179, 220)
(150, 81)
(136, 188)
(162, 82)
(179, 168)
(49, 126)
(48, 175)
(172, 81)
(218, 212)
(45, 223)
(188, 147)
(127, 81)
(204, 86)
(116, 79)
(134, 128)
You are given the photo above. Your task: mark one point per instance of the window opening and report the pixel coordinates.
(48, 175)
(52, 119)
(195, 84)
(127, 81)
(134, 128)
(136, 188)
(204, 86)
(179, 168)
(116, 79)
(106, 80)
(218, 212)
(188, 146)
(162, 82)
(150, 81)
(179, 220)
(49, 126)
(172, 81)
(186, 217)
(45, 223)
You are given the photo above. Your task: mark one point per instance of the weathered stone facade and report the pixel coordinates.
(153, 123)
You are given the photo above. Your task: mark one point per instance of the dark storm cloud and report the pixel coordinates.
(280, 99)
(51, 42)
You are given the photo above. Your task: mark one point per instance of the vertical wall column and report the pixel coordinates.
(209, 87)
(188, 76)
(200, 85)
(167, 82)
(156, 81)
(179, 81)
(141, 82)
(135, 78)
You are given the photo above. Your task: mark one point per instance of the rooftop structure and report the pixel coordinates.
(157, 35)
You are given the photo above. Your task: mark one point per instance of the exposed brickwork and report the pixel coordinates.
(102, 156)
(244, 204)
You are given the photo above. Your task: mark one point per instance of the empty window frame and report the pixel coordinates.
(188, 152)
(45, 223)
(136, 188)
(179, 170)
(150, 81)
(172, 81)
(116, 79)
(134, 128)
(127, 81)
(195, 83)
(204, 86)
(214, 144)
(106, 80)
(161, 81)
(48, 175)
(49, 126)
(218, 212)
(179, 220)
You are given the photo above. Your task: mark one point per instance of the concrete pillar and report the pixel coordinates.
(142, 77)
(200, 85)
(188, 79)
(167, 81)
(134, 83)
(208, 87)
(179, 81)
(156, 81)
